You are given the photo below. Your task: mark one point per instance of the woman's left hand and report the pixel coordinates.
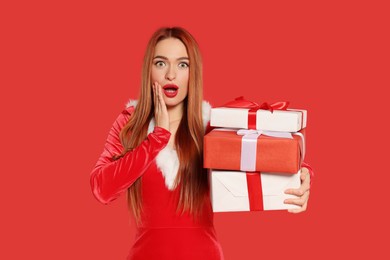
(302, 193)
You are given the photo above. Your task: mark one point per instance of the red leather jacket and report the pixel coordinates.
(109, 178)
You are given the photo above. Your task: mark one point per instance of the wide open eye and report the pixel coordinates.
(183, 65)
(159, 63)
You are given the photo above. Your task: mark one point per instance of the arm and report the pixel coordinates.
(109, 178)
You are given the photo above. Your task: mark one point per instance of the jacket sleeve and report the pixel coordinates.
(110, 178)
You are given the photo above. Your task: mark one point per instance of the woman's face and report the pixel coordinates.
(170, 68)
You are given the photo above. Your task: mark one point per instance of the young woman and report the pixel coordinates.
(154, 151)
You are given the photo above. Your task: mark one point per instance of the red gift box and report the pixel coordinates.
(224, 150)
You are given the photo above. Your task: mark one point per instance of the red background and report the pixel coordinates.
(68, 68)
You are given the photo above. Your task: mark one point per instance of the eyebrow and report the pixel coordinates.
(165, 58)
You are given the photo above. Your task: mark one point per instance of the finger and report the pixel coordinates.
(305, 186)
(154, 95)
(155, 98)
(162, 106)
(295, 211)
(299, 210)
(305, 176)
(306, 182)
(298, 192)
(304, 170)
(161, 97)
(300, 201)
(157, 93)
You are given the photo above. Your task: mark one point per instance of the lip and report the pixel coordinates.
(170, 86)
(168, 93)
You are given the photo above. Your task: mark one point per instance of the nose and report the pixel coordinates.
(171, 73)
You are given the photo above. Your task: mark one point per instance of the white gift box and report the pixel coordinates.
(229, 190)
(290, 120)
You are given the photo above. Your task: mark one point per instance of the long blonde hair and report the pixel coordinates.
(189, 136)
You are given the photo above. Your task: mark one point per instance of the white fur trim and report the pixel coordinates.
(131, 103)
(151, 126)
(167, 160)
(206, 111)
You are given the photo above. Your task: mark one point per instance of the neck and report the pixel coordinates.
(175, 112)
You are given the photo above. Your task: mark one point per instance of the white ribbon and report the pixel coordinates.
(249, 145)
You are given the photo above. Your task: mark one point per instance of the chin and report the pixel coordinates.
(171, 102)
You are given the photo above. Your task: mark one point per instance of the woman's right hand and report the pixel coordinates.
(160, 109)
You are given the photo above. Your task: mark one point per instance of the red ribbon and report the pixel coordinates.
(255, 192)
(240, 102)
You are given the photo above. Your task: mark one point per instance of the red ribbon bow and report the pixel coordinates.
(240, 102)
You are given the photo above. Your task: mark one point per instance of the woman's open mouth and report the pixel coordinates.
(170, 90)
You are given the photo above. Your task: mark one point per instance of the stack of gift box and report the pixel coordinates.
(254, 153)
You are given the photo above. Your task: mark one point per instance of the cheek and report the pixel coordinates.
(185, 78)
(185, 83)
(153, 75)
(156, 75)
(185, 92)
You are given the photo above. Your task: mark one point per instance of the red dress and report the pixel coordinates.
(163, 234)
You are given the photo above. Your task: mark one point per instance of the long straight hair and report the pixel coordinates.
(189, 136)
